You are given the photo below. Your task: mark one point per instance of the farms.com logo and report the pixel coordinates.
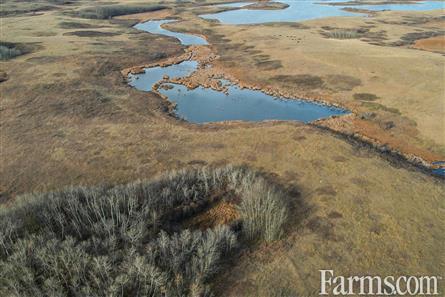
(333, 285)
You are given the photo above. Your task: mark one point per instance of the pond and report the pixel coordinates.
(203, 105)
(297, 11)
(306, 10)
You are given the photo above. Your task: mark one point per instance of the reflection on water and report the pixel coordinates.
(301, 10)
(297, 11)
(202, 105)
(144, 81)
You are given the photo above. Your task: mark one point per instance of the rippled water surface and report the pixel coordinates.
(202, 105)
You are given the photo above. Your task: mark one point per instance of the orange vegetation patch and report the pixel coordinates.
(370, 132)
(221, 213)
(432, 44)
(146, 16)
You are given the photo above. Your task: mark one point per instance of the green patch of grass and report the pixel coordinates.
(91, 33)
(269, 65)
(13, 8)
(76, 25)
(411, 38)
(376, 106)
(109, 11)
(343, 34)
(129, 240)
(304, 81)
(365, 97)
(342, 82)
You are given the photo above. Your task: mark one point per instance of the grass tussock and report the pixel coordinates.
(109, 11)
(129, 240)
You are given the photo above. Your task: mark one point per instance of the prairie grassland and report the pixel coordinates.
(68, 118)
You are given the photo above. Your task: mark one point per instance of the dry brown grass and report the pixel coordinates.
(222, 213)
(67, 118)
(432, 44)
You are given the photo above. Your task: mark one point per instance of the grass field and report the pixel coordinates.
(68, 118)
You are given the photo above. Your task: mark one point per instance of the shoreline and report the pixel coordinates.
(208, 77)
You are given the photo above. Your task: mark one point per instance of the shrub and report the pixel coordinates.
(343, 34)
(129, 240)
(109, 11)
(365, 97)
(9, 50)
(7, 53)
(263, 213)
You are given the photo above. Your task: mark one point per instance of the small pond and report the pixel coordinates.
(203, 105)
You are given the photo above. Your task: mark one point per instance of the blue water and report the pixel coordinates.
(297, 11)
(154, 27)
(441, 170)
(301, 10)
(418, 6)
(202, 105)
(144, 81)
